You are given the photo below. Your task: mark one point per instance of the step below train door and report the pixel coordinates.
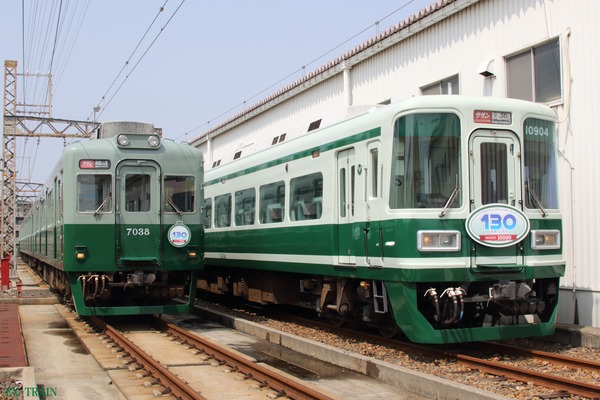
(138, 213)
(346, 173)
(496, 223)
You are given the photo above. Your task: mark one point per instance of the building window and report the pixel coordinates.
(445, 86)
(314, 125)
(534, 75)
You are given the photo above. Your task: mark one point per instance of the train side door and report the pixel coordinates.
(495, 171)
(346, 172)
(138, 212)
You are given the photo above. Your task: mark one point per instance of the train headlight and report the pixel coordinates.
(153, 141)
(81, 253)
(545, 239)
(123, 140)
(438, 240)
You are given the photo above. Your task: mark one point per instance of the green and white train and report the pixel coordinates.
(120, 225)
(436, 216)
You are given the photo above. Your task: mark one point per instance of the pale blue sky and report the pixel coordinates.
(209, 59)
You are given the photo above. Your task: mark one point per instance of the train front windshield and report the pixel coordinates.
(426, 161)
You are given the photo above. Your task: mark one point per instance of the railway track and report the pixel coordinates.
(563, 383)
(282, 384)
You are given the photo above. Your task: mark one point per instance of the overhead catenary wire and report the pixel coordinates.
(77, 20)
(55, 39)
(47, 34)
(138, 61)
(301, 69)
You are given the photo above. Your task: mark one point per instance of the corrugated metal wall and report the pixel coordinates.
(487, 30)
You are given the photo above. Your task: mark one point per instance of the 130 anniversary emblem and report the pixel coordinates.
(179, 235)
(497, 225)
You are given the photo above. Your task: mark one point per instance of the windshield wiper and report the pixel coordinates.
(451, 199)
(177, 210)
(535, 198)
(106, 200)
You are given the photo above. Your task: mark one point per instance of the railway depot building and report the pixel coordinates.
(538, 50)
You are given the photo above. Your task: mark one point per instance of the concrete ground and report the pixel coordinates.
(63, 367)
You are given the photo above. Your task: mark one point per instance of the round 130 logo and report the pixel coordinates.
(179, 235)
(497, 225)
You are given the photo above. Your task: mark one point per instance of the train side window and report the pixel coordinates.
(245, 205)
(426, 161)
(272, 202)
(94, 193)
(207, 213)
(223, 211)
(306, 197)
(179, 194)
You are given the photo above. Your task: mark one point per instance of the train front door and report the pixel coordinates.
(138, 213)
(346, 171)
(494, 179)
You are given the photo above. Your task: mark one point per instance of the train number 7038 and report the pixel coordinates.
(138, 231)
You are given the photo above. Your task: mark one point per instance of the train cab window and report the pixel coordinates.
(306, 197)
(94, 193)
(223, 211)
(494, 176)
(179, 194)
(539, 158)
(207, 213)
(272, 203)
(245, 206)
(137, 192)
(426, 161)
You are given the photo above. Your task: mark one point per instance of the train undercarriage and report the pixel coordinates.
(340, 300)
(443, 306)
(489, 303)
(114, 289)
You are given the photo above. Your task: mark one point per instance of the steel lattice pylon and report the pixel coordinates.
(9, 158)
(15, 124)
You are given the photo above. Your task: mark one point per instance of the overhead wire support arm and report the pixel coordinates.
(62, 128)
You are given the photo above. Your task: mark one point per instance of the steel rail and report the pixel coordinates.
(170, 381)
(544, 355)
(263, 374)
(526, 375)
(491, 367)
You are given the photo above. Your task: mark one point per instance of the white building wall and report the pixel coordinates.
(291, 117)
(443, 44)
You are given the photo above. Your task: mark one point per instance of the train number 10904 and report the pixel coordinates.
(138, 231)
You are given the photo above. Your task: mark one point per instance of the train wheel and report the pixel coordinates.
(388, 330)
(337, 322)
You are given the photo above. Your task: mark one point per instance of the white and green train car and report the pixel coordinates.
(436, 215)
(120, 225)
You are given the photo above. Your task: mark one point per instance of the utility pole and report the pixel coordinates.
(19, 124)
